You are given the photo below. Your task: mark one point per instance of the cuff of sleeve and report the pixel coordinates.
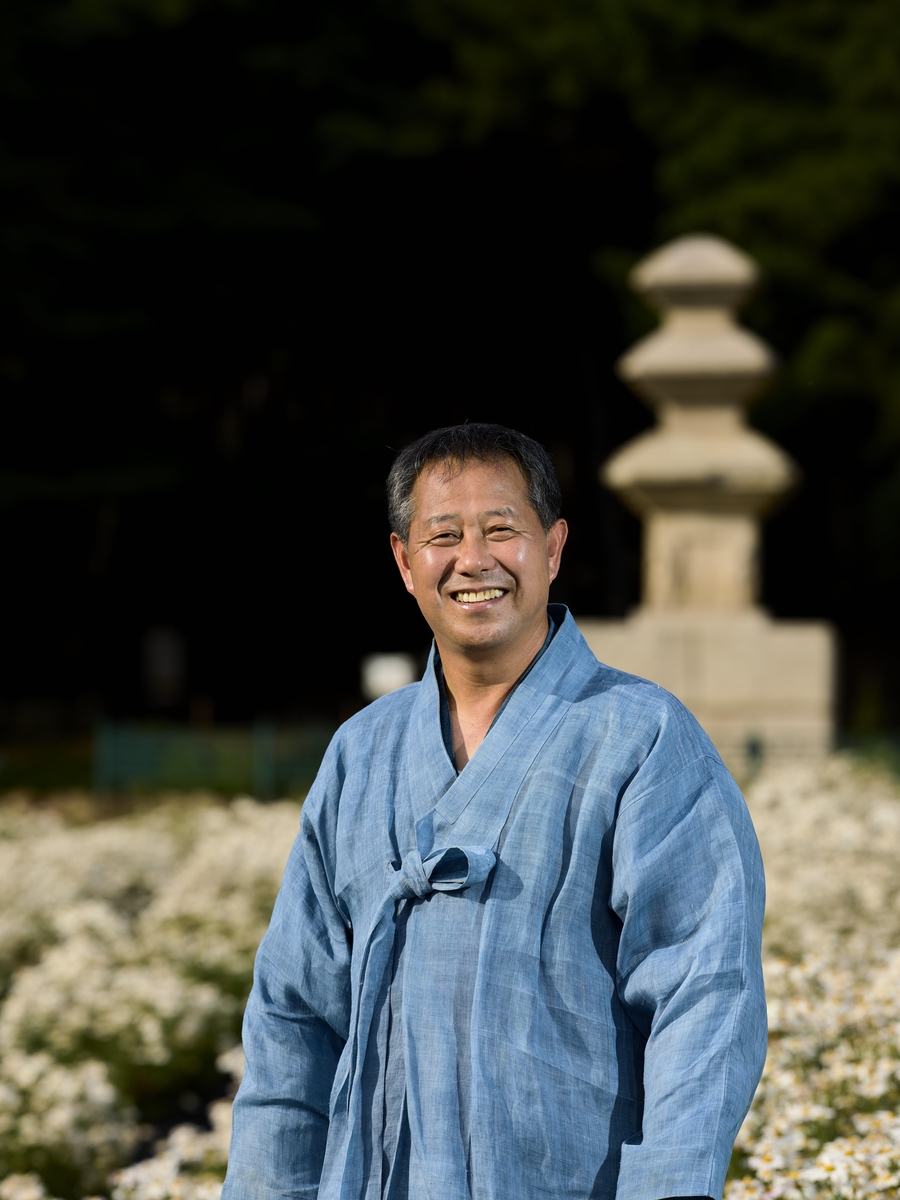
(245, 1185)
(656, 1173)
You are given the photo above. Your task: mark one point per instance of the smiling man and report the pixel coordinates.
(478, 560)
(516, 950)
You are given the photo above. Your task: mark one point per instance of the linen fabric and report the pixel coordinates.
(537, 978)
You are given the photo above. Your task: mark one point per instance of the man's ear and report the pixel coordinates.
(556, 539)
(401, 557)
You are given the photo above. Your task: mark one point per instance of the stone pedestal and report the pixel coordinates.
(760, 688)
(701, 481)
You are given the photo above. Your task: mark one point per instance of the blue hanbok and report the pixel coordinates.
(536, 978)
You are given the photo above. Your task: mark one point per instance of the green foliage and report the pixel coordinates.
(776, 123)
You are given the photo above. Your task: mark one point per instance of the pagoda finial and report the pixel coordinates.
(701, 478)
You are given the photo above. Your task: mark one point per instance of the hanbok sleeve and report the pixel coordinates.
(688, 887)
(295, 1024)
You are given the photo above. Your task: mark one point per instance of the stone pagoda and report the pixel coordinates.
(701, 480)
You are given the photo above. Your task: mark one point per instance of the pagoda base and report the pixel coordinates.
(761, 689)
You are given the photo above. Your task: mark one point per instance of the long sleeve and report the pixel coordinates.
(295, 1027)
(688, 887)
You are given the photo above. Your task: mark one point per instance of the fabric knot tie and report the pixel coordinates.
(448, 870)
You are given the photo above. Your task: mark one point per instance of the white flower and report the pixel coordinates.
(23, 1187)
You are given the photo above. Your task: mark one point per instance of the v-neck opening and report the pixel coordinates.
(446, 722)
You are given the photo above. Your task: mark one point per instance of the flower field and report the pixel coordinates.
(126, 949)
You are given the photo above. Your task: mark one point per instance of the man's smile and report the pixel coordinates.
(478, 597)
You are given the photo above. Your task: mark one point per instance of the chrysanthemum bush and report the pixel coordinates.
(826, 1118)
(126, 951)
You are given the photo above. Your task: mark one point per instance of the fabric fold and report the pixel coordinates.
(451, 869)
(448, 870)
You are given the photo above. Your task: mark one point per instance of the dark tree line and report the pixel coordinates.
(248, 248)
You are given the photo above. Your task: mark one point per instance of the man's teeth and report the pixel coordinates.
(476, 597)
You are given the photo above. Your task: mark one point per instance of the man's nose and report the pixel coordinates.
(474, 555)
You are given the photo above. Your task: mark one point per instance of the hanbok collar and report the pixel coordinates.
(439, 798)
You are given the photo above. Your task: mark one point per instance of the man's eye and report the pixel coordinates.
(443, 539)
(502, 530)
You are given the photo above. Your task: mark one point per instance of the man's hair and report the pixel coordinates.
(457, 445)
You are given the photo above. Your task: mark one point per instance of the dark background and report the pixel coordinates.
(250, 249)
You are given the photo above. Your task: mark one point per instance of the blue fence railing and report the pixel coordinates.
(265, 760)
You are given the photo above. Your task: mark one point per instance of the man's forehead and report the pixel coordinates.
(451, 472)
(498, 487)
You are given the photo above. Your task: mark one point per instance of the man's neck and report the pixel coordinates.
(477, 685)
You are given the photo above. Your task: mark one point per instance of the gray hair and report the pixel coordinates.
(460, 444)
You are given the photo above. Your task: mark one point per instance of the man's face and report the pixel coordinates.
(477, 560)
